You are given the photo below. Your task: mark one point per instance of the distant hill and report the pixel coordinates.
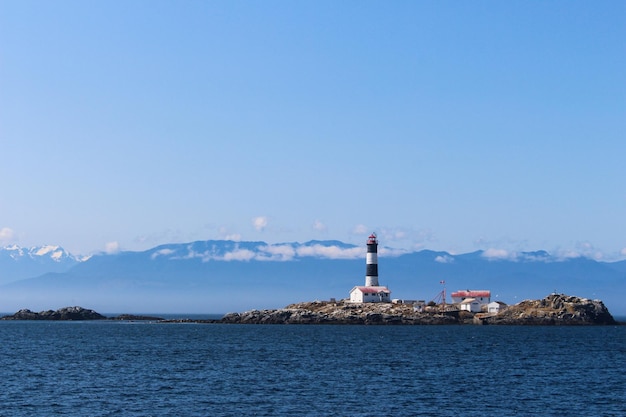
(220, 276)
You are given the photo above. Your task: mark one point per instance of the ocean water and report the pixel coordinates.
(149, 369)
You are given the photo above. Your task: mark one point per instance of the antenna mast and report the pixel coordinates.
(441, 297)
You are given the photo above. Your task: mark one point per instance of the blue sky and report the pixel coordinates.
(452, 126)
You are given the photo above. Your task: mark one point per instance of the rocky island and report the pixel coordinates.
(74, 314)
(555, 309)
(342, 312)
(65, 313)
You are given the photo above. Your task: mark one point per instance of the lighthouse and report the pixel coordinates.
(371, 292)
(371, 262)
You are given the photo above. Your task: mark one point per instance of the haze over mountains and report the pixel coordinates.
(220, 276)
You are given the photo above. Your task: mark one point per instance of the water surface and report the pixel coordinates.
(142, 369)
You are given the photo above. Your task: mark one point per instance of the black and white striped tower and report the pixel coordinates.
(371, 261)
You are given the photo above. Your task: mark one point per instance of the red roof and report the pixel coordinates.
(373, 289)
(471, 293)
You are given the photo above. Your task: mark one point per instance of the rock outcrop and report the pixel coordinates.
(66, 313)
(555, 309)
(321, 312)
(134, 317)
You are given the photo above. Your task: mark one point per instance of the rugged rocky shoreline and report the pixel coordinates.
(555, 309)
(322, 312)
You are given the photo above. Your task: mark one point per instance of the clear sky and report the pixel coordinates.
(442, 125)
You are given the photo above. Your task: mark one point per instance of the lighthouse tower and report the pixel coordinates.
(372, 292)
(371, 261)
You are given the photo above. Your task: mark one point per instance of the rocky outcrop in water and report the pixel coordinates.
(65, 313)
(135, 317)
(321, 312)
(555, 309)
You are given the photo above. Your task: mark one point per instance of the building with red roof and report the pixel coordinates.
(371, 294)
(482, 296)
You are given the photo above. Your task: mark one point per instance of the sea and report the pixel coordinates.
(106, 368)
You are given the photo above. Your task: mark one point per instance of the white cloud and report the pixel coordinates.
(279, 252)
(384, 251)
(206, 256)
(282, 252)
(260, 223)
(582, 249)
(598, 256)
(444, 259)
(494, 254)
(162, 252)
(319, 226)
(568, 254)
(7, 235)
(239, 255)
(112, 247)
(623, 252)
(331, 252)
(590, 251)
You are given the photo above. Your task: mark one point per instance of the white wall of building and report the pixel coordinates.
(358, 295)
(472, 305)
(495, 307)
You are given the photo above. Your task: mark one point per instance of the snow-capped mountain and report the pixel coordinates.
(18, 263)
(218, 276)
(39, 253)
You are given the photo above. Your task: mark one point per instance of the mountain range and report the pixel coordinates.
(218, 276)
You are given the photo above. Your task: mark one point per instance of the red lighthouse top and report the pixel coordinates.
(372, 239)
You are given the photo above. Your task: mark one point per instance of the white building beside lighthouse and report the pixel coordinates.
(371, 292)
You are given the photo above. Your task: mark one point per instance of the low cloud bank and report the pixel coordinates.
(267, 252)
